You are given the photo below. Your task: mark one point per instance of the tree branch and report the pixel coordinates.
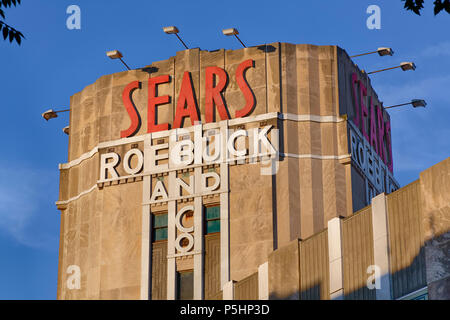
(9, 3)
(13, 34)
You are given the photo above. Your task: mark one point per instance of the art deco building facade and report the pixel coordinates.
(238, 174)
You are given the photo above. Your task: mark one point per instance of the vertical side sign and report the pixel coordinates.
(387, 127)
(355, 82)
(377, 131)
(131, 109)
(381, 151)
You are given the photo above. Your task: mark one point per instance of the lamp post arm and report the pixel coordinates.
(363, 54)
(125, 64)
(384, 69)
(240, 41)
(184, 44)
(62, 111)
(398, 105)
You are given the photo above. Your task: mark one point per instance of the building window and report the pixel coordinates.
(160, 227)
(185, 285)
(212, 215)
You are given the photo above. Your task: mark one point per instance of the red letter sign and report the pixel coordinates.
(131, 109)
(243, 85)
(389, 145)
(186, 97)
(153, 101)
(373, 129)
(364, 111)
(355, 100)
(381, 152)
(214, 94)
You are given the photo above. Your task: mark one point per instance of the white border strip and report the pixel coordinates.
(77, 197)
(310, 117)
(101, 145)
(315, 156)
(75, 162)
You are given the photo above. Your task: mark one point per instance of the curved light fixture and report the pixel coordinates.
(66, 130)
(50, 114)
(116, 54)
(233, 32)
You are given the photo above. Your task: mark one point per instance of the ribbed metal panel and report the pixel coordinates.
(212, 265)
(314, 268)
(159, 270)
(247, 289)
(357, 247)
(406, 240)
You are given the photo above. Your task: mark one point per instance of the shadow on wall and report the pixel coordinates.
(418, 235)
(403, 282)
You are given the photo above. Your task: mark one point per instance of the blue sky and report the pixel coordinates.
(53, 63)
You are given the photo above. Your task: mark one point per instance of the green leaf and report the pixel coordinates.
(438, 6)
(409, 4)
(2, 14)
(5, 32)
(11, 35)
(8, 3)
(18, 39)
(414, 5)
(447, 6)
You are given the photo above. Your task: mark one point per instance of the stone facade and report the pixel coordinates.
(106, 224)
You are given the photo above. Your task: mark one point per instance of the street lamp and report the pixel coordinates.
(174, 30)
(66, 130)
(116, 54)
(381, 51)
(50, 114)
(233, 32)
(404, 65)
(415, 103)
